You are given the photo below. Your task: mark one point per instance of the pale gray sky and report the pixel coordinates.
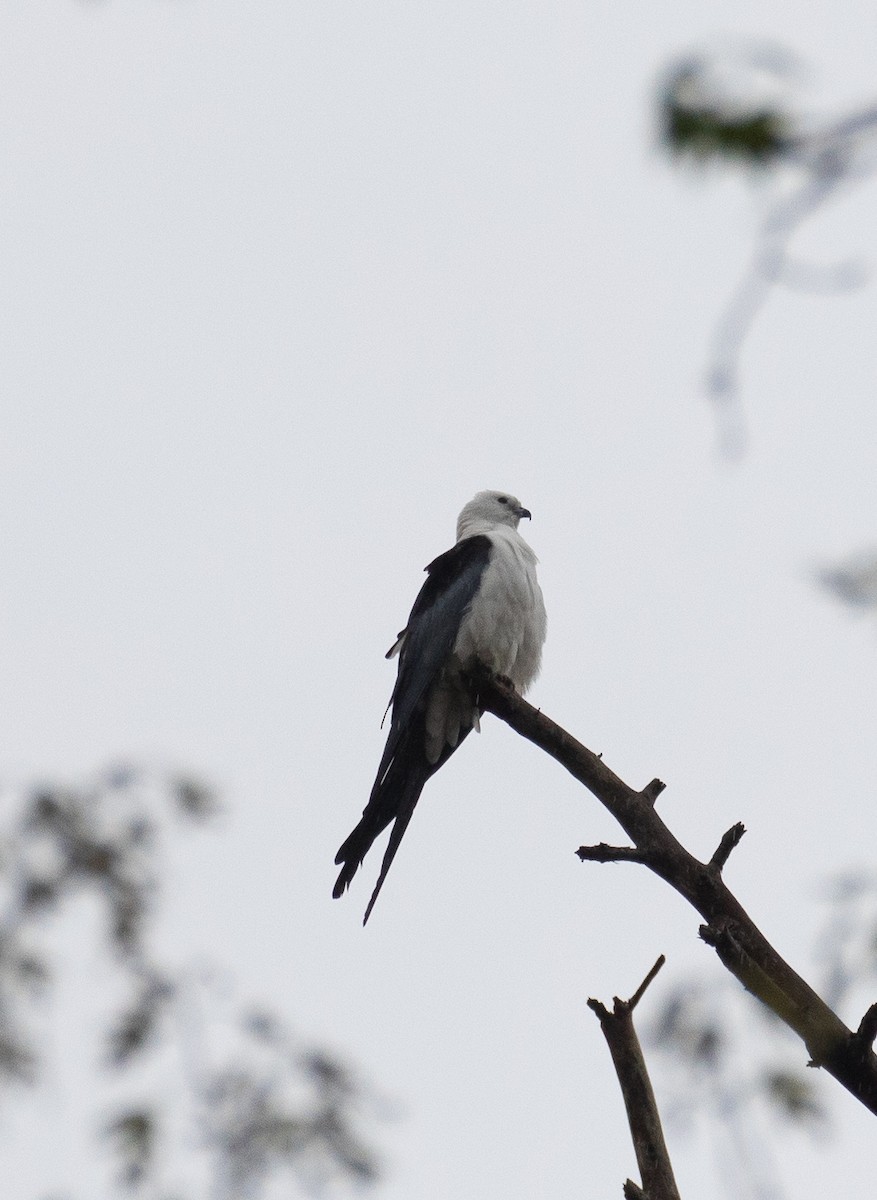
(283, 285)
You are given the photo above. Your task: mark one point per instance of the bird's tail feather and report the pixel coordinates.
(404, 815)
(358, 843)
(394, 798)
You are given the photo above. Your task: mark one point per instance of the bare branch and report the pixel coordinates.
(726, 845)
(641, 990)
(652, 1156)
(769, 267)
(604, 854)
(652, 791)
(739, 943)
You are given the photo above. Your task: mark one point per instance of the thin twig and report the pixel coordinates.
(726, 845)
(641, 990)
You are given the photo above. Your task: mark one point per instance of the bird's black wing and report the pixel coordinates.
(452, 582)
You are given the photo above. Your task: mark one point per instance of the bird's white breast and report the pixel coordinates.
(505, 625)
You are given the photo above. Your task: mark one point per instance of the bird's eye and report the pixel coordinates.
(503, 499)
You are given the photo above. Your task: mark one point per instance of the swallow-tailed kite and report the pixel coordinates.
(481, 601)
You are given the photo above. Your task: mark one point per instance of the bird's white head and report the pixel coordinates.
(489, 510)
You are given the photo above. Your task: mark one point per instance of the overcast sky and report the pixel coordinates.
(283, 285)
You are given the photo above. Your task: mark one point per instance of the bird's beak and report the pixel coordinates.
(524, 512)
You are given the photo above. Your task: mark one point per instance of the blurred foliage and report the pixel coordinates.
(257, 1123)
(793, 1097)
(736, 108)
(707, 127)
(138, 1024)
(133, 1136)
(846, 951)
(726, 1071)
(853, 582)
(249, 1103)
(728, 106)
(717, 1035)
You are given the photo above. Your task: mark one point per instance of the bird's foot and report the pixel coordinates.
(479, 672)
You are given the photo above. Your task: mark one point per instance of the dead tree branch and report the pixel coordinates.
(652, 1156)
(740, 945)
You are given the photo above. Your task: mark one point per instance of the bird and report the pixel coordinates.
(481, 603)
